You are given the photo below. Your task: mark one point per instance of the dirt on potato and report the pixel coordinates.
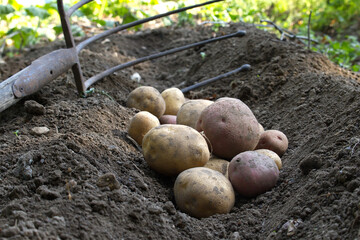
(85, 179)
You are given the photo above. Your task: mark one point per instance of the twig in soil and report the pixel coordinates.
(208, 141)
(134, 142)
(68, 190)
(139, 169)
(353, 148)
(286, 33)
(309, 42)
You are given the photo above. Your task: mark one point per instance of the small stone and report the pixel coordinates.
(47, 193)
(40, 130)
(169, 207)
(23, 168)
(34, 107)
(136, 77)
(153, 209)
(235, 236)
(108, 180)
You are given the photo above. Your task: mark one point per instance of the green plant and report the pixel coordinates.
(345, 53)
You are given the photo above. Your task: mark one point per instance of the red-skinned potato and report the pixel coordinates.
(202, 192)
(168, 119)
(146, 98)
(230, 126)
(252, 173)
(273, 140)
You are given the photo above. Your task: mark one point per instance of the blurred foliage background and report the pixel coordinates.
(335, 24)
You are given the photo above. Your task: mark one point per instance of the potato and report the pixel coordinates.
(190, 111)
(202, 192)
(273, 140)
(147, 98)
(271, 155)
(170, 149)
(261, 129)
(230, 126)
(140, 124)
(174, 98)
(252, 173)
(219, 165)
(168, 119)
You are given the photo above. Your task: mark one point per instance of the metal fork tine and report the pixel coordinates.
(77, 5)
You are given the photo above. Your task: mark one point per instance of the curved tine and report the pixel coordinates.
(105, 73)
(83, 44)
(77, 6)
(244, 67)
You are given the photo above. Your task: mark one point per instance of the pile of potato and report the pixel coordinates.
(214, 149)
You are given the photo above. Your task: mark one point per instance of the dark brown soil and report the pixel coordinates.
(49, 182)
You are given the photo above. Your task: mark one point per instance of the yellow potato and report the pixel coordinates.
(147, 98)
(219, 165)
(261, 129)
(272, 155)
(202, 192)
(170, 149)
(174, 98)
(190, 111)
(140, 124)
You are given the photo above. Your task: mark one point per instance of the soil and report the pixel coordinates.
(85, 179)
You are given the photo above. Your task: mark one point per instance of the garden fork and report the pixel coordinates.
(50, 66)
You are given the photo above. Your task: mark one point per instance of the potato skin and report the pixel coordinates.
(272, 155)
(261, 129)
(146, 98)
(140, 124)
(230, 126)
(252, 173)
(168, 119)
(273, 140)
(174, 98)
(170, 149)
(219, 165)
(190, 111)
(202, 192)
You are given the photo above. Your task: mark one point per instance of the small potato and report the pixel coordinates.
(273, 140)
(252, 173)
(271, 155)
(170, 149)
(202, 192)
(230, 126)
(168, 119)
(147, 98)
(190, 111)
(219, 165)
(174, 98)
(261, 129)
(140, 124)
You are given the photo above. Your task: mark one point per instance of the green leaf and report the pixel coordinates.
(6, 9)
(58, 29)
(37, 12)
(77, 31)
